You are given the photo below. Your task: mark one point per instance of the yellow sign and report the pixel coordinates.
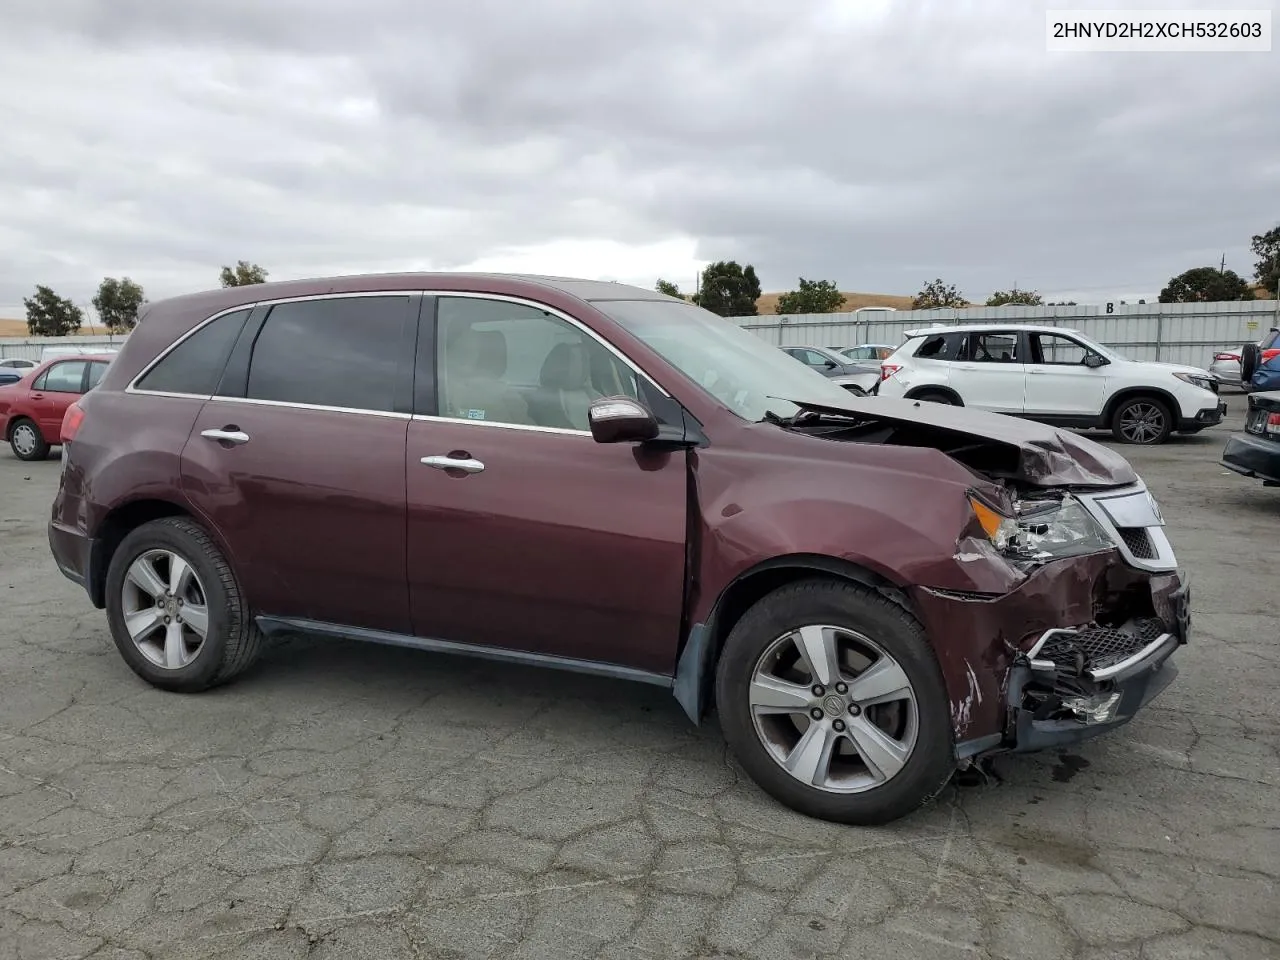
(1252, 324)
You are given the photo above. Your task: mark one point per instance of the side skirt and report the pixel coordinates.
(277, 625)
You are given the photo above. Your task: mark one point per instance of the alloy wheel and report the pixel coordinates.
(24, 439)
(1142, 423)
(165, 610)
(834, 709)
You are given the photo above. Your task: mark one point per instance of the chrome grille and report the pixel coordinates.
(1100, 647)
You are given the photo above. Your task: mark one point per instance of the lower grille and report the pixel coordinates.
(1100, 647)
(1138, 542)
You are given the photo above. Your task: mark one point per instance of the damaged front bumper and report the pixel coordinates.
(1076, 684)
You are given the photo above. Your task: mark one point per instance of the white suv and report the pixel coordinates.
(1054, 375)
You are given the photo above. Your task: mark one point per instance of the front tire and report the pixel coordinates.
(26, 440)
(175, 609)
(833, 702)
(1145, 421)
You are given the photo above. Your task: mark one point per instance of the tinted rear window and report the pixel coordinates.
(195, 364)
(342, 352)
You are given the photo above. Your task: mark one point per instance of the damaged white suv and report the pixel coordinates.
(1053, 375)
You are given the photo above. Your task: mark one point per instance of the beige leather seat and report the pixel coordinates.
(565, 390)
(474, 364)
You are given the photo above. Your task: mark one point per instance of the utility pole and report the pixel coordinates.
(1222, 267)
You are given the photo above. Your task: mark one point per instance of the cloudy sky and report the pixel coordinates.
(872, 143)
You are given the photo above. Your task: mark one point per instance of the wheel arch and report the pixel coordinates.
(694, 681)
(915, 393)
(119, 522)
(1133, 393)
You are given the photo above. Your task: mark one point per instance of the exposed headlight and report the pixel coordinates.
(1042, 529)
(1196, 380)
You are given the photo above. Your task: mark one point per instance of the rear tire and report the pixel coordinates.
(26, 440)
(892, 705)
(1143, 420)
(168, 581)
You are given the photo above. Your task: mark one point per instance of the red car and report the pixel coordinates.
(31, 410)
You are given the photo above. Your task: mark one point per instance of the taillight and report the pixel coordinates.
(71, 421)
(1273, 424)
(887, 370)
(1226, 356)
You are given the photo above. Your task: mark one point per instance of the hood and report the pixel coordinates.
(1044, 456)
(1172, 367)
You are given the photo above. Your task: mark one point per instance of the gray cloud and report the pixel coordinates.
(877, 144)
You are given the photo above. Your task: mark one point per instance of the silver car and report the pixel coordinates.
(856, 376)
(1226, 363)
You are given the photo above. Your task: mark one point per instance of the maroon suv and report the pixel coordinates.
(600, 478)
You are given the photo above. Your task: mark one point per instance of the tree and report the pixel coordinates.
(117, 303)
(729, 289)
(937, 294)
(1015, 297)
(669, 288)
(1206, 284)
(49, 315)
(242, 274)
(814, 296)
(1267, 270)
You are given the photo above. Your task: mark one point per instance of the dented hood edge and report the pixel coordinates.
(1048, 456)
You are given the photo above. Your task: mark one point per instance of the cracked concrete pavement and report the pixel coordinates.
(359, 801)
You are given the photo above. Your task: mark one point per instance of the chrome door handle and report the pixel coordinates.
(1038, 373)
(228, 435)
(450, 463)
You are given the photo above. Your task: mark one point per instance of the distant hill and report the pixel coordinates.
(768, 302)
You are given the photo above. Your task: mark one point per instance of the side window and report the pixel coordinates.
(994, 348)
(513, 363)
(63, 377)
(815, 359)
(1061, 351)
(195, 364)
(341, 352)
(96, 371)
(941, 346)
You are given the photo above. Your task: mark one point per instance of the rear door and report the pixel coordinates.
(990, 373)
(539, 539)
(298, 459)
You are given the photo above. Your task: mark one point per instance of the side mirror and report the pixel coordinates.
(830, 364)
(1095, 360)
(621, 420)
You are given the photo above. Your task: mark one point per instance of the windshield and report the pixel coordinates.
(735, 366)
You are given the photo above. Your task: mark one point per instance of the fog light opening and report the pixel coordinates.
(1099, 708)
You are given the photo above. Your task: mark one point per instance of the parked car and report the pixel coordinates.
(13, 369)
(31, 410)
(857, 377)
(1266, 376)
(49, 353)
(872, 352)
(1256, 452)
(1055, 376)
(599, 478)
(1226, 365)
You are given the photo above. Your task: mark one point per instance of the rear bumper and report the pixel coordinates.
(75, 554)
(1252, 456)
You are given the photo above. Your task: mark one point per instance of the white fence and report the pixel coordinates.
(1187, 333)
(29, 347)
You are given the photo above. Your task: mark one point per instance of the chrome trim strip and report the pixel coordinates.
(523, 301)
(505, 426)
(132, 386)
(1107, 672)
(1044, 638)
(389, 414)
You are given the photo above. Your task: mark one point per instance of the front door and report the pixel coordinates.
(525, 533)
(1058, 381)
(299, 464)
(55, 390)
(991, 374)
